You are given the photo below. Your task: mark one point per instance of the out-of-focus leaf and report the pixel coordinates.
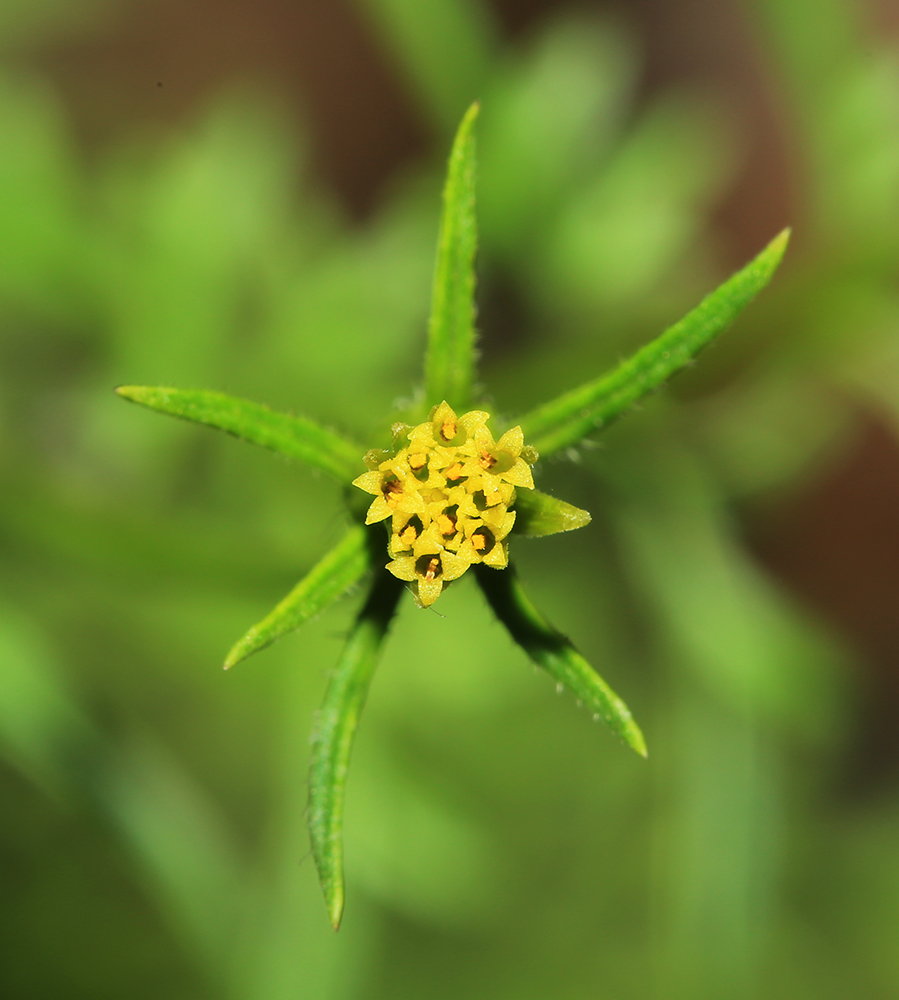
(187, 229)
(182, 845)
(162, 818)
(44, 243)
(774, 429)
(630, 223)
(564, 421)
(295, 437)
(328, 580)
(551, 650)
(539, 514)
(406, 836)
(41, 726)
(445, 46)
(370, 291)
(710, 605)
(845, 91)
(549, 116)
(449, 363)
(336, 726)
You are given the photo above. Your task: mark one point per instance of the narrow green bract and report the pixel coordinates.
(571, 417)
(538, 514)
(332, 741)
(449, 363)
(328, 580)
(551, 650)
(294, 437)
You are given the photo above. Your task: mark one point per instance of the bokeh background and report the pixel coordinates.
(244, 196)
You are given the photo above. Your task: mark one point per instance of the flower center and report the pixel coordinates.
(429, 567)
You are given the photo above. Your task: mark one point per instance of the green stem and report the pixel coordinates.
(335, 730)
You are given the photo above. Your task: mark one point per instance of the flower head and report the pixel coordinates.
(448, 492)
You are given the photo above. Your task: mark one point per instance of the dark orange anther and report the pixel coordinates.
(448, 430)
(487, 461)
(454, 472)
(418, 461)
(479, 541)
(392, 491)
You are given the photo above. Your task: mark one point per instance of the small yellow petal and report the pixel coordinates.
(512, 441)
(495, 492)
(454, 566)
(378, 511)
(370, 482)
(467, 506)
(497, 557)
(468, 553)
(443, 411)
(403, 568)
(484, 439)
(422, 437)
(473, 420)
(520, 475)
(410, 503)
(495, 518)
(505, 526)
(428, 542)
(429, 591)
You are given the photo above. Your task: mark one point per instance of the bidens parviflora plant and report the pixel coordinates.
(450, 494)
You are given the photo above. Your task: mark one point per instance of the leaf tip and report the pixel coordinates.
(581, 519)
(335, 909)
(146, 395)
(777, 247)
(635, 740)
(464, 134)
(235, 655)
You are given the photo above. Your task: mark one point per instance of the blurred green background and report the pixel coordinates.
(244, 197)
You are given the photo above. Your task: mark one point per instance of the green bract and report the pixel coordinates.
(436, 522)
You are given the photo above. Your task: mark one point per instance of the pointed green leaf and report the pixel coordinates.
(332, 741)
(551, 650)
(328, 580)
(449, 364)
(538, 514)
(295, 437)
(569, 418)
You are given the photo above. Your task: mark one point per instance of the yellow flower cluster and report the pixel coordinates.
(448, 492)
